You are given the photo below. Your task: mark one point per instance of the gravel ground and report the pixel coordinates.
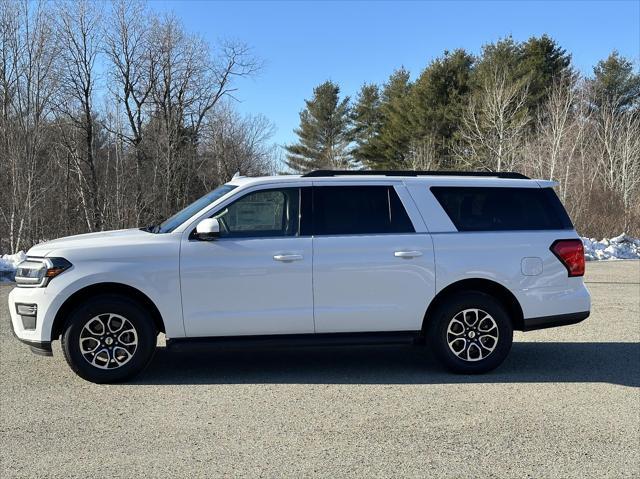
(566, 403)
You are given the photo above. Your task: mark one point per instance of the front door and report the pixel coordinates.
(256, 278)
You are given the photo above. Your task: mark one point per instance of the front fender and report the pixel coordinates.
(159, 283)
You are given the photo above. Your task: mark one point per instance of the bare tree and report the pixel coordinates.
(494, 124)
(618, 136)
(9, 50)
(188, 82)
(28, 81)
(130, 53)
(555, 124)
(423, 154)
(80, 33)
(78, 155)
(233, 144)
(562, 123)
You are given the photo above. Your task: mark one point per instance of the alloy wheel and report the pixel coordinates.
(472, 334)
(108, 341)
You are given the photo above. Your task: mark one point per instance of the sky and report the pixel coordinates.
(304, 43)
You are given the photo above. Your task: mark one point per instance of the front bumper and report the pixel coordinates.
(39, 338)
(42, 348)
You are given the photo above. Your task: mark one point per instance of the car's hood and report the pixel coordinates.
(89, 240)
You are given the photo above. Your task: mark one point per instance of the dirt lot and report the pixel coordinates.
(566, 403)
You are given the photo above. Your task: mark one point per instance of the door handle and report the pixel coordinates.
(407, 254)
(287, 257)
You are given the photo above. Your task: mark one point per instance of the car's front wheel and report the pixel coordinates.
(470, 333)
(109, 338)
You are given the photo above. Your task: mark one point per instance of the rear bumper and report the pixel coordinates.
(531, 324)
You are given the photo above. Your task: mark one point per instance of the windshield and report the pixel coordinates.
(180, 217)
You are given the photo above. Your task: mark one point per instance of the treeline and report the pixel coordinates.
(519, 106)
(112, 116)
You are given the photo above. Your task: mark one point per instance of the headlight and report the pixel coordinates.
(37, 272)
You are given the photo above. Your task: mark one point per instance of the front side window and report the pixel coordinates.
(176, 220)
(348, 210)
(263, 213)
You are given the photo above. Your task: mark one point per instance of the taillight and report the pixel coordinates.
(570, 252)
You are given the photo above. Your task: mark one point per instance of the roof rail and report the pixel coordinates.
(496, 174)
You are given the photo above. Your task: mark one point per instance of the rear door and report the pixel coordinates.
(373, 264)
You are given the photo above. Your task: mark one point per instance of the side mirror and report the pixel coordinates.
(208, 229)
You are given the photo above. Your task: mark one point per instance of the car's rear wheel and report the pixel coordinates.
(109, 338)
(470, 333)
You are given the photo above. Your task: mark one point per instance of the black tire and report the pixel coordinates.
(475, 355)
(109, 308)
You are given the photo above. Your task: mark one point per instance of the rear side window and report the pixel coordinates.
(502, 209)
(344, 210)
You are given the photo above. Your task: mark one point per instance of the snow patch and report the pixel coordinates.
(620, 247)
(8, 265)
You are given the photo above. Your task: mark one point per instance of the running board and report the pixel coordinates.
(295, 340)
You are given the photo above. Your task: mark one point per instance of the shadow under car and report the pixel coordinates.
(616, 363)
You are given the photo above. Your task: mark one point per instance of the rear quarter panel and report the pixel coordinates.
(498, 257)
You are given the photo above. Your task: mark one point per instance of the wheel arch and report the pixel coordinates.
(487, 286)
(104, 288)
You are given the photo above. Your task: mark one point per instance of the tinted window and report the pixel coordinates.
(339, 210)
(306, 209)
(263, 213)
(495, 209)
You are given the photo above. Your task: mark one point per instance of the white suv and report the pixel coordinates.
(454, 260)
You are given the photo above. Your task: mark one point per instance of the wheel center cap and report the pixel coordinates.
(472, 334)
(108, 341)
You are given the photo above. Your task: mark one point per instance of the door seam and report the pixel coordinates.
(313, 289)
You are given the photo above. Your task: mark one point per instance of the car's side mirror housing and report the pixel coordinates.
(208, 229)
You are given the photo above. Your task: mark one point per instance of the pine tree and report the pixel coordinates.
(324, 132)
(502, 56)
(542, 61)
(615, 82)
(439, 97)
(388, 149)
(367, 120)
(535, 64)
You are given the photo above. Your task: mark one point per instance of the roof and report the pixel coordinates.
(413, 173)
(444, 180)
